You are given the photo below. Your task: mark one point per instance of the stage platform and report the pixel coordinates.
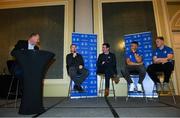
(100, 107)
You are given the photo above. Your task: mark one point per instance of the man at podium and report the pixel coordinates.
(33, 64)
(30, 44)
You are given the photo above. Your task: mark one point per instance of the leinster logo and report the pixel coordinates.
(165, 52)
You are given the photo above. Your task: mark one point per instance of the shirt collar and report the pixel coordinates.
(30, 46)
(162, 47)
(106, 53)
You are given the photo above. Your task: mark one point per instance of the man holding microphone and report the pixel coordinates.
(75, 68)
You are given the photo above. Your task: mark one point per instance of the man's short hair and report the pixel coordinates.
(160, 37)
(135, 42)
(73, 45)
(107, 45)
(33, 34)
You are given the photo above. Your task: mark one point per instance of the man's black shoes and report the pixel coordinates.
(81, 89)
(78, 88)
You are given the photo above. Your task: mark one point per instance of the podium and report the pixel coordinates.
(34, 65)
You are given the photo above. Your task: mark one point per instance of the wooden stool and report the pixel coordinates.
(71, 89)
(170, 86)
(11, 93)
(143, 91)
(101, 87)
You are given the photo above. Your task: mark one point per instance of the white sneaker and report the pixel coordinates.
(139, 87)
(165, 87)
(131, 87)
(158, 87)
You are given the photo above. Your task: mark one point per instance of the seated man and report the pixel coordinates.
(75, 68)
(106, 64)
(162, 62)
(134, 63)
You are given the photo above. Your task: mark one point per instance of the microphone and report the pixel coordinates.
(134, 52)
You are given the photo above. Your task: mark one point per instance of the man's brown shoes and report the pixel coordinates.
(106, 93)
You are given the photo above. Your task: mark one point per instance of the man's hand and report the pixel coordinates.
(138, 58)
(103, 62)
(129, 62)
(164, 60)
(157, 60)
(80, 66)
(160, 60)
(134, 51)
(136, 55)
(136, 63)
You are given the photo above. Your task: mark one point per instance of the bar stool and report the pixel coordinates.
(11, 64)
(135, 75)
(11, 93)
(170, 84)
(102, 89)
(71, 90)
(170, 87)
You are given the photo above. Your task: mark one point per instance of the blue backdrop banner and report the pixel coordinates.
(87, 47)
(145, 45)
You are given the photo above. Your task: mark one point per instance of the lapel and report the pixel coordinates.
(35, 47)
(27, 44)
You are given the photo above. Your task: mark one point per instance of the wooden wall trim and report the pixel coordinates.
(7, 4)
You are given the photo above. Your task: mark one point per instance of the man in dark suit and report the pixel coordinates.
(30, 44)
(75, 68)
(106, 64)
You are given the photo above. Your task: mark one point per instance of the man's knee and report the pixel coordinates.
(142, 70)
(169, 67)
(72, 71)
(149, 69)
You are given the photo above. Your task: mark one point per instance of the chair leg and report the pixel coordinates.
(102, 89)
(113, 90)
(69, 91)
(144, 94)
(9, 91)
(172, 91)
(17, 92)
(153, 91)
(100, 86)
(127, 97)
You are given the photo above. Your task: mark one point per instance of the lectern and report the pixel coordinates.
(34, 65)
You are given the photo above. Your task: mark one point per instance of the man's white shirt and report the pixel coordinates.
(30, 46)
